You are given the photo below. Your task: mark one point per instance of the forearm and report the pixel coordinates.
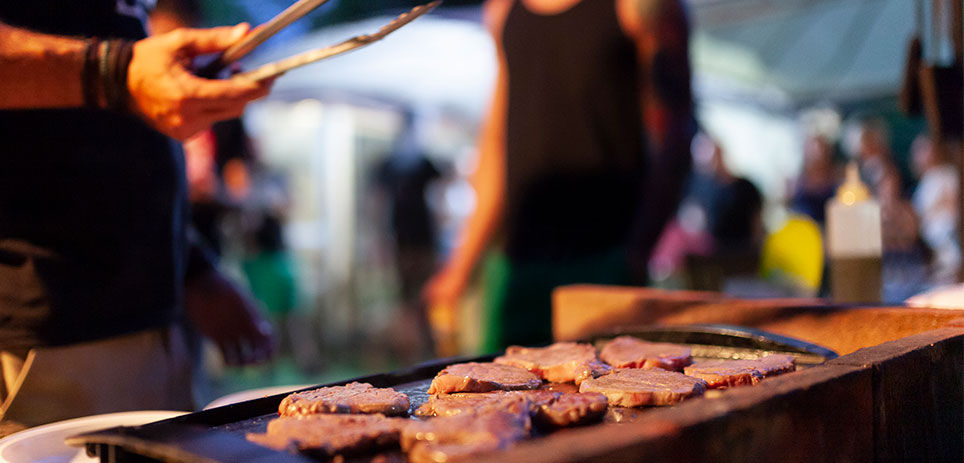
(488, 182)
(489, 185)
(475, 237)
(39, 70)
(150, 78)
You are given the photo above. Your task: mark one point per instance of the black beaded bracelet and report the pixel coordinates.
(103, 57)
(123, 53)
(88, 73)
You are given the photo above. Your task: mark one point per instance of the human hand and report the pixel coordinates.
(170, 97)
(445, 287)
(220, 311)
(441, 295)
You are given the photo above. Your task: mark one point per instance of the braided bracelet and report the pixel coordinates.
(114, 64)
(102, 68)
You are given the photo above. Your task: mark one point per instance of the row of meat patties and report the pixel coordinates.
(480, 407)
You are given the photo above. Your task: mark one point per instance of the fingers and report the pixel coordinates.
(252, 345)
(200, 41)
(230, 352)
(240, 352)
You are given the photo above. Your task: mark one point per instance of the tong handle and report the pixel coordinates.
(237, 51)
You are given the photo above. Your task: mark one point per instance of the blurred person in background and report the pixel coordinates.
(818, 180)
(402, 181)
(936, 201)
(726, 242)
(872, 152)
(904, 252)
(582, 158)
(708, 178)
(687, 242)
(739, 228)
(98, 264)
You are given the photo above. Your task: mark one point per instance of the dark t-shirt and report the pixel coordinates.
(92, 204)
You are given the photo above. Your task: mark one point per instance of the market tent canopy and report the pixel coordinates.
(786, 53)
(797, 52)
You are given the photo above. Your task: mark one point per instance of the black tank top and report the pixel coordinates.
(574, 139)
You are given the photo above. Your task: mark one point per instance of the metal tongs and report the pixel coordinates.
(290, 15)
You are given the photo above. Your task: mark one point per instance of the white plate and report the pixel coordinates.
(45, 444)
(252, 394)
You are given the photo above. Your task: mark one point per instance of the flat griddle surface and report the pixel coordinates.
(218, 434)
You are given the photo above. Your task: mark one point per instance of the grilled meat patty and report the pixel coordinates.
(482, 377)
(562, 362)
(459, 403)
(350, 398)
(729, 373)
(636, 387)
(460, 436)
(331, 434)
(630, 352)
(571, 410)
(548, 409)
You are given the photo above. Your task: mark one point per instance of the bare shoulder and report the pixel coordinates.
(494, 13)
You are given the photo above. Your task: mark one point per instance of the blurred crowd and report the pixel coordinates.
(718, 235)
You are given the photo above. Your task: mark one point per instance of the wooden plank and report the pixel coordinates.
(918, 388)
(819, 414)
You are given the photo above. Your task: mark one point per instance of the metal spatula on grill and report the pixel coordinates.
(277, 68)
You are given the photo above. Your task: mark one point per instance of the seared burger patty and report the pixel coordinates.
(350, 398)
(460, 436)
(482, 377)
(729, 373)
(636, 387)
(562, 362)
(548, 409)
(331, 434)
(630, 352)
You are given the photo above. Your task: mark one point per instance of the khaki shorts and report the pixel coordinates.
(148, 370)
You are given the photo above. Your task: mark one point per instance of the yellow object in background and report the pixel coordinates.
(794, 253)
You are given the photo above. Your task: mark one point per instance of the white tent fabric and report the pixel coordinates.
(798, 52)
(433, 61)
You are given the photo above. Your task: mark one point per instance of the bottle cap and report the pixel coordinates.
(852, 190)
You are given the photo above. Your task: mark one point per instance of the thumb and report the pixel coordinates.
(199, 41)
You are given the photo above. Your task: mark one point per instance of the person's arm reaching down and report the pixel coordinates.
(45, 71)
(222, 311)
(661, 31)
